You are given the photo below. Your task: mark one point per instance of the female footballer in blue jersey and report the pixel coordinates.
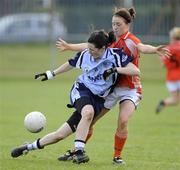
(127, 92)
(100, 67)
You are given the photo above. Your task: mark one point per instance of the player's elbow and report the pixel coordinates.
(137, 72)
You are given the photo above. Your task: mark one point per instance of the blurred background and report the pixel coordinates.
(25, 22)
(45, 20)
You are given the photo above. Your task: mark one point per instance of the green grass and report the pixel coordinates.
(153, 141)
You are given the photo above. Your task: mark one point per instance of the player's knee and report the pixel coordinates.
(122, 126)
(88, 115)
(123, 121)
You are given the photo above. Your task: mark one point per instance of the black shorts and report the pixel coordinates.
(75, 118)
(80, 96)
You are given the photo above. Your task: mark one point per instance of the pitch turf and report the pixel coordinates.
(153, 141)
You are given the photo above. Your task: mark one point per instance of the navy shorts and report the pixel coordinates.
(74, 120)
(80, 96)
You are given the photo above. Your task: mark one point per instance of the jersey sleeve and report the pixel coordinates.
(121, 58)
(77, 60)
(135, 39)
(125, 59)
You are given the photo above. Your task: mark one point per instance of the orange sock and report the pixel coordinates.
(118, 145)
(89, 134)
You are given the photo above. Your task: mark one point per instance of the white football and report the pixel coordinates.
(35, 121)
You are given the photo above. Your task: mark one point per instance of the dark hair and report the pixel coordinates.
(127, 14)
(101, 38)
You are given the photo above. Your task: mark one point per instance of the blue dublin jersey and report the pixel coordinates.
(92, 76)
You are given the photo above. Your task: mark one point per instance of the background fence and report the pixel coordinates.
(153, 21)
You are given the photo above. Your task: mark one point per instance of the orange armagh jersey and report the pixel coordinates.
(129, 43)
(172, 64)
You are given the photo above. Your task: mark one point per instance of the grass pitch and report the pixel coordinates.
(153, 142)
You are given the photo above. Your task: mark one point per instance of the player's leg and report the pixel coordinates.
(87, 114)
(54, 137)
(96, 118)
(73, 121)
(90, 132)
(85, 103)
(99, 116)
(68, 155)
(64, 131)
(129, 99)
(173, 99)
(85, 107)
(126, 110)
(89, 105)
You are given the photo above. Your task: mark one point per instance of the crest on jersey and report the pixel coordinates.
(124, 58)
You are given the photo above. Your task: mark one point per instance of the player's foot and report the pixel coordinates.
(80, 157)
(159, 107)
(67, 156)
(22, 150)
(118, 161)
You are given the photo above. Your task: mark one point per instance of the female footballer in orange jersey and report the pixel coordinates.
(128, 90)
(172, 66)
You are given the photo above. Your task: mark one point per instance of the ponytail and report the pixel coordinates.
(111, 37)
(132, 12)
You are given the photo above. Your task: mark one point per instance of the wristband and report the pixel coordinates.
(49, 74)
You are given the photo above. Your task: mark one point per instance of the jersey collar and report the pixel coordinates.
(124, 36)
(104, 55)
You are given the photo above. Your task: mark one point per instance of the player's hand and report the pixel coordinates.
(108, 72)
(62, 45)
(163, 51)
(45, 76)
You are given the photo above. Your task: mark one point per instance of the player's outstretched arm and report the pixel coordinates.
(149, 49)
(50, 74)
(64, 46)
